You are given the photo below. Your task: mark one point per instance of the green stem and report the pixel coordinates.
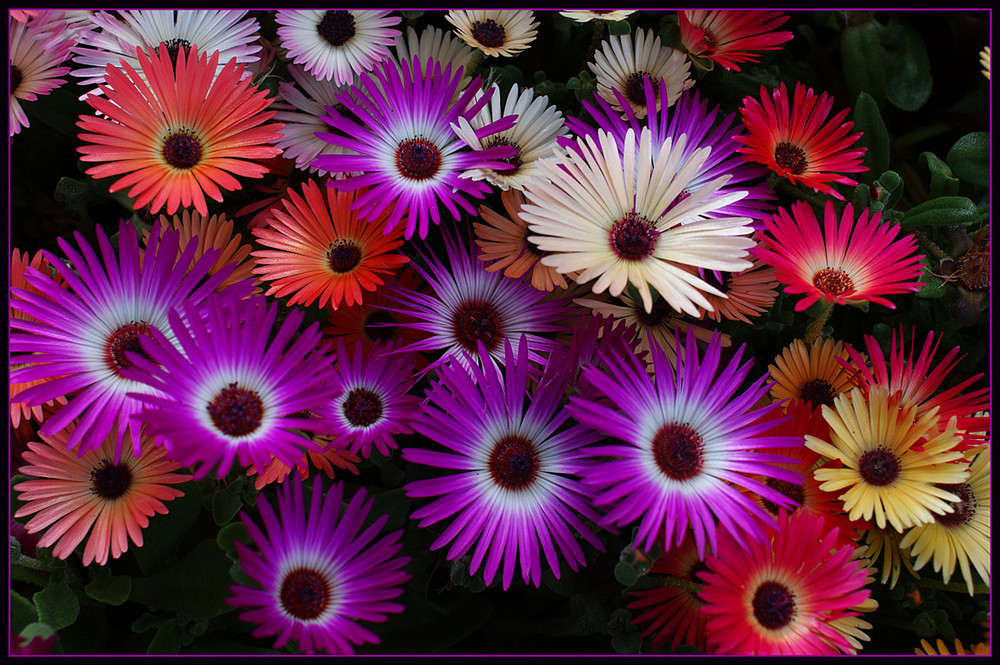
(817, 325)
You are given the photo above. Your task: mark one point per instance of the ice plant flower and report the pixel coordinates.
(748, 293)
(432, 44)
(503, 33)
(731, 37)
(617, 216)
(34, 68)
(587, 15)
(319, 573)
(515, 487)
(407, 152)
(684, 446)
(780, 596)
(336, 44)
(100, 495)
(210, 233)
(941, 649)
(796, 141)
(849, 260)
(810, 373)
(181, 136)
(319, 251)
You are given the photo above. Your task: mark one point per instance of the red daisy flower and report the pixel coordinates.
(797, 142)
(729, 37)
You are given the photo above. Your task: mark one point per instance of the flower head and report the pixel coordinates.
(496, 33)
(587, 15)
(210, 233)
(34, 68)
(748, 293)
(729, 37)
(810, 373)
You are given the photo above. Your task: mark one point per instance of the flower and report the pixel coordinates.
(849, 261)
(780, 596)
(798, 143)
(941, 649)
(884, 544)
(434, 44)
(587, 15)
(984, 61)
(729, 37)
(889, 469)
(105, 492)
(407, 152)
(619, 218)
(34, 68)
(319, 574)
(811, 373)
(684, 446)
(336, 43)
(230, 391)
(181, 136)
(622, 66)
(516, 484)
(496, 33)
(321, 251)
(747, 293)
(210, 233)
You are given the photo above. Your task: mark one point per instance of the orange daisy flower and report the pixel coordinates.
(749, 293)
(811, 373)
(323, 251)
(333, 457)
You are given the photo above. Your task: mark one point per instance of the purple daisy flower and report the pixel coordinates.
(516, 485)
(687, 444)
(595, 339)
(407, 152)
(230, 392)
(78, 337)
(320, 573)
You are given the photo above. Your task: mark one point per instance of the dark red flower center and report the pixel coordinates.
(833, 282)
(126, 339)
(182, 150)
(110, 481)
(964, 509)
(879, 467)
(661, 312)
(305, 594)
(343, 256)
(791, 490)
(337, 27)
(418, 159)
(817, 392)
(973, 271)
(489, 33)
(236, 411)
(15, 79)
(791, 158)
(174, 48)
(773, 605)
(635, 88)
(707, 41)
(514, 161)
(380, 325)
(478, 321)
(362, 407)
(514, 462)
(633, 237)
(678, 451)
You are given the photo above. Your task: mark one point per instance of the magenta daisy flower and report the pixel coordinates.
(685, 446)
(407, 151)
(230, 391)
(730, 37)
(81, 335)
(320, 572)
(515, 485)
(34, 67)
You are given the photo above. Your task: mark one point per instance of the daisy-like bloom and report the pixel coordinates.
(515, 485)
(882, 548)
(984, 61)
(228, 31)
(101, 496)
(595, 339)
(730, 37)
(210, 233)
(500, 33)
(619, 217)
(181, 136)
(894, 462)
(229, 392)
(320, 573)
(941, 649)
(960, 537)
(797, 142)
(622, 66)
(433, 44)
(336, 44)
(587, 15)
(23, 15)
(533, 135)
(320, 251)
(780, 596)
(407, 152)
(327, 461)
(810, 374)
(847, 261)
(34, 68)
(81, 336)
(684, 447)
(747, 294)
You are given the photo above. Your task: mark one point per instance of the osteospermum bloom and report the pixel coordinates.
(890, 470)
(319, 571)
(810, 373)
(619, 217)
(496, 33)
(847, 261)
(797, 142)
(407, 152)
(336, 44)
(780, 596)
(684, 446)
(99, 494)
(624, 63)
(515, 486)
(320, 251)
(730, 37)
(210, 233)
(181, 136)
(81, 335)
(34, 68)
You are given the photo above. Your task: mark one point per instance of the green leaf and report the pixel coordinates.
(225, 505)
(619, 28)
(165, 533)
(862, 61)
(934, 287)
(875, 137)
(626, 643)
(943, 183)
(112, 590)
(909, 85)
(76, 194)
(229, 534)
(198, 585)
(22, 612)
(57, 605)
(892, 188)
(166, 641)
(625, 574)
(969, 158)
(942, 211)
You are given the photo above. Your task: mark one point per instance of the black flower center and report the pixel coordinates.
(661, 312)
(15, 79)
(817, 392)
(175, 46)
(125, 339)
(362, 407)
(514, 161)
(182, 150)
(773, 605)
(791, 158)
(633, 237)
(964, 509)
(380, 325)
(489, 33)
(678, 451)
(833, 282)
(110, 481)
(635, 89)
(514, 463)
(337, 27)
(879, 467)
(236, 411)
(343, 256)
(973, 271)
(791, 490)
(305, 594)
(418, 159)
(478, 321)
